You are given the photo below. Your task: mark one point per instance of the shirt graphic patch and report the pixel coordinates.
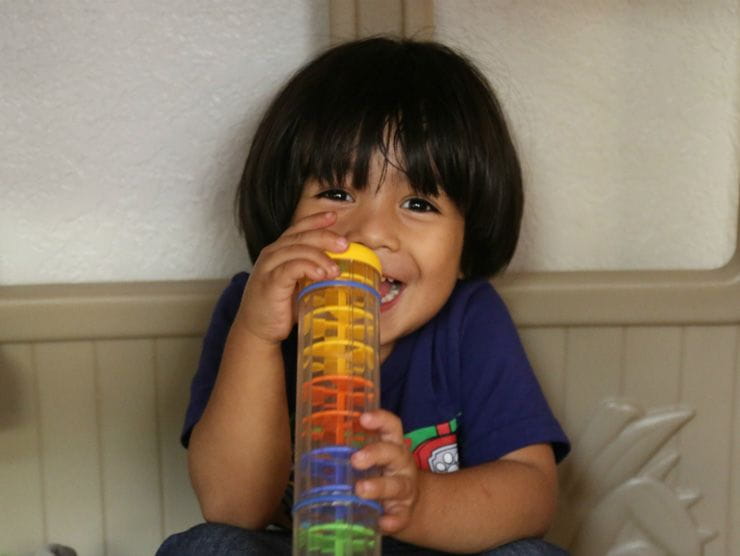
(435, 447)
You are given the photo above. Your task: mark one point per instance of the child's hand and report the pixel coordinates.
(397, 489)
(266, 309)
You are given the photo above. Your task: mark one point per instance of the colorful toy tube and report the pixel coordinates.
(337, 380)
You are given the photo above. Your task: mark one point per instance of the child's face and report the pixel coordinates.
(418, 240)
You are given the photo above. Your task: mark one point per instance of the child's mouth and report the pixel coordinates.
(389, 289)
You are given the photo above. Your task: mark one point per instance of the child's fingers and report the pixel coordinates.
(387, 487)
(386, 424)
(316, 221)
(290, 259)
(394, 519)
(288, 273)
(313, 222)
(389, 455)
(321, 239)
(308, 239)
(324, 239)
(397, 487)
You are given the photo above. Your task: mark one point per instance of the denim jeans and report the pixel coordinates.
(211, 539)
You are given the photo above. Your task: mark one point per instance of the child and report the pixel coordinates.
(401, 146)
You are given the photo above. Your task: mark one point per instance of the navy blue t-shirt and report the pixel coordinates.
(461, 384)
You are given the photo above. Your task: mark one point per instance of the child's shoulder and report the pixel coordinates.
(466, 288)
(475, 295)
(476, 308)
(228, 302)
(238, 281)
(235, 288)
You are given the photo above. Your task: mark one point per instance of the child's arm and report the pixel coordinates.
(240, 451)
(470, 510)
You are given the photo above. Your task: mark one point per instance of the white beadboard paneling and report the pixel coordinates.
(733, 516)
(70, 445)
(652, 365)
(21, 494)
(176, 360)
(131, 485)
(652, 372)
(545, 348)
(594, 366)
(707, 385)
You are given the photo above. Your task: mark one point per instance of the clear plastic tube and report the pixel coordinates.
(337, 380)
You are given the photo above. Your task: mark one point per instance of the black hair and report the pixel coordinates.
(350, 103)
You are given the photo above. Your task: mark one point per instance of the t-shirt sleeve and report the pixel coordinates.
(504, 408)
(211, 353)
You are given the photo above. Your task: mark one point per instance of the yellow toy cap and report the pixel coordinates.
(359, 252)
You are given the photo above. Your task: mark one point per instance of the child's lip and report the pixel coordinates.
(386, 305)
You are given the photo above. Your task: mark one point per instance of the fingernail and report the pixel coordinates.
(361, 488)
(341, 242)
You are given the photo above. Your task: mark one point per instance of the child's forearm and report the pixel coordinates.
(239, 452)
(485, 506)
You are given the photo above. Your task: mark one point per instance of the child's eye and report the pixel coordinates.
(419, 205)
(335, 195)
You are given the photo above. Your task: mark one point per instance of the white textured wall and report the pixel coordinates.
(626, 115)
(123, 129)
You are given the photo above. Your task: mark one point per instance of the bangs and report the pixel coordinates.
(346, 155)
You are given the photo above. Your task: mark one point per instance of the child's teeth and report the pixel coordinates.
(392, 293)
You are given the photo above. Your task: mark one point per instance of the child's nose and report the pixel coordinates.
(375, 229)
